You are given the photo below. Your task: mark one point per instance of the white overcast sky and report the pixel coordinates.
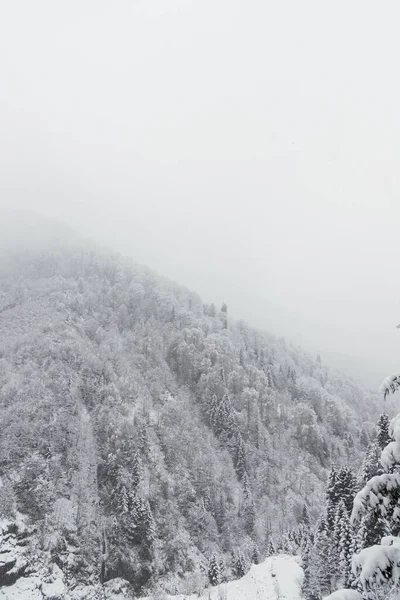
(249, 149)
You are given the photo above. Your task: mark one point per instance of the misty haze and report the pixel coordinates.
(199, 357)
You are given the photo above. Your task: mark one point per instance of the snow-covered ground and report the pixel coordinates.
(277, 578)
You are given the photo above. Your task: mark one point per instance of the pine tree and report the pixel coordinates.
(271, 548)
(214, 573)
(308, 592)
(149, 526)
(341, 486)
(145, 441)
(371, 464)
(220, 513)
(333, 539)
(383, 437)
(376, 508)
(248, 509)
(346, 487)
(255, 555)
(345, 550)
(341, 547)
(320, 563)
(305, 519)
(340, 515)
(140, 522)
(334, 546)
(221, 418)
(371, 529)
(136, 470)
(123, 500)
(305, 537)
(240, 462)
(285, 544)
(246, 487)
(270, 377)
(352, 580)
(238, 564)
(222, 569)
(331, 497)
(364, 438)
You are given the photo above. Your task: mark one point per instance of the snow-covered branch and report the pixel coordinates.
(390, 384)
(378, 564)
(378, 494)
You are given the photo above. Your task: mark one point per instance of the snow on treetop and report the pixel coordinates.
(390, 455)
(377, 564)
(394, 428)
(374, 494)
(390, 540)
(344, 594)
(390, 384)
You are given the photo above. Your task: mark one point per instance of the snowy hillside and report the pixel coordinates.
(144, 432)
(278, 578)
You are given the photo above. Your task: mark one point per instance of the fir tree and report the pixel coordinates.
(149, 526)
(331, 497)
(341, 547)
(270, 377)
(220, 513)
(271, 550)
(307, 589)
(371, 464)
(320, 563)
(345, 550)
(364, 438)
(346, 487)
(341, 486)
(238, 564)
(240, 462)
(334, 546)
(211, 411)
(136, 471)
(144, 440)
(247, 495)
(305, 537)
(376, 509)
(222, 569)
(255, 555)
(340, 515)
(214, 573)
(221, 418)
(140, 521)
(305, 519)
(285, 544)
(373, 526)
(123, 500)
(383, 437)
(248, 509)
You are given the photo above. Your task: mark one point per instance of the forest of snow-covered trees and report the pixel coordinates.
(147, 437)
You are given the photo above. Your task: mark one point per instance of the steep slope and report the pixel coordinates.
(143, 430)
